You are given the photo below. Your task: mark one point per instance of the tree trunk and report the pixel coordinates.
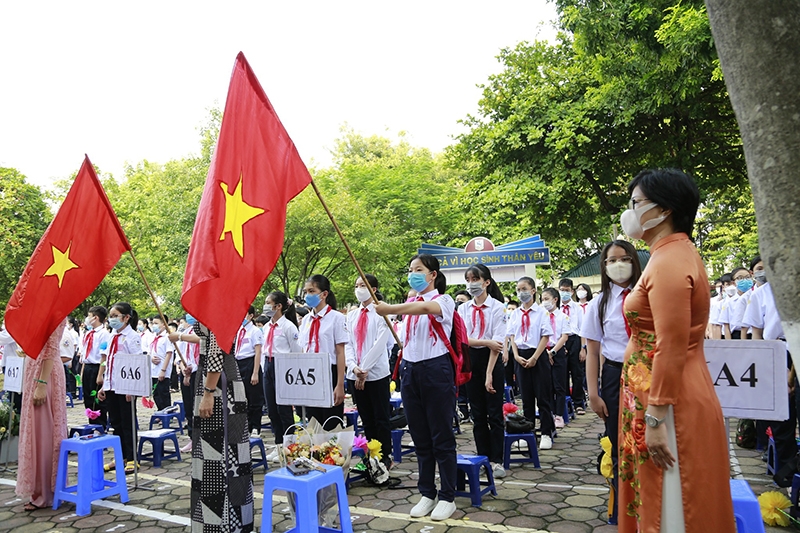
(758, 43)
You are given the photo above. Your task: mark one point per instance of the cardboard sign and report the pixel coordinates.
(15, 369)
(750, 378)
(130, 374)
(303, 379)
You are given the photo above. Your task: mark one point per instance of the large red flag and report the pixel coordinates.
(238, 234)
(82, 244)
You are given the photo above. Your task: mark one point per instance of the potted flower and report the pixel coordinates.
(9, 434)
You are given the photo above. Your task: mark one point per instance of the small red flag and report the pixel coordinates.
(238, 234)
(82, 244)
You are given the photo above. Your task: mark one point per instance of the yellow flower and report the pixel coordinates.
(607, 464)
(772, 503)
(2, 430)
(639, 377)
(374, 447)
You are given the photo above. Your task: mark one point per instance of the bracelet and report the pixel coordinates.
(41, 381)
(212, 391)
(180, 336)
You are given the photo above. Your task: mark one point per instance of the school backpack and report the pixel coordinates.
(746, 434)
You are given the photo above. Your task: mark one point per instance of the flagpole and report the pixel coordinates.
(353, 258)
(158, 308)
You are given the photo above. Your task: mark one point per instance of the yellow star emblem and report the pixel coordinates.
(237, 213)
(61, 263)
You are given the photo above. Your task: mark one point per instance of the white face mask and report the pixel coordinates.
(631, 221)
(581, 294)
(362, 294)
(475, 288)
(730, 290)
(549, 305)
(525, 296)
(620, 272)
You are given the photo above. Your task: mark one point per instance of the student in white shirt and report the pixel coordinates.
(124, 340)
(247, 349)
(324, 330)
(73, 339)
(528, 331)
(743, 279)
(429, 392)
(485, 319)
(191, 352)
(576, 352)
(369, 379)
(607, 333)
(281, 339)
(160, 352)
(557, 352)
(93, 350)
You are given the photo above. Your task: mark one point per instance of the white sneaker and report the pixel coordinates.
(255, 433)
(497, 470)
(545, 443)
(187, 448)
(559, 422)
(443, 511)
(272, 457)
(423, 508)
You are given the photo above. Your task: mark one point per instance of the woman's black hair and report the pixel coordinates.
(289, 311)
(605, 281)
(432, 264)
(261, 319)
(756, 260)
(373, 282)
(588, 290)
(323, 284)
(481, 271)
(126, 309)
(671, 189)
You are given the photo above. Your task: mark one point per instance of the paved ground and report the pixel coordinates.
(566, 495)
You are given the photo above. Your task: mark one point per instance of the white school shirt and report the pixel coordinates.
(284, 340)
(494, 315)
(147, 337)
(422, 342)
(726, 312)
(613, 338)
(574, 318)
(66, 348)
(714, 311)
(562, 325)
(539, 326)
(159, 346)
(332, 331)
(128, 342)
(736, 313)
(762, 313)
(7, 344)
(376, 326)
(245, 343)
(100, 341)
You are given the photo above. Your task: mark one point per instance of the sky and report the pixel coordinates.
(129, 81)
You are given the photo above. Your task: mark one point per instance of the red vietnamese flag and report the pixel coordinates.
(82, 244)
(238, 234)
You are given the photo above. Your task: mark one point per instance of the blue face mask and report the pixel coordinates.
(566, 296)
(191, 320)
(417, 281)
(744, 285)
(155, 329)
(245, 321)
(313, 300)
(115, 323)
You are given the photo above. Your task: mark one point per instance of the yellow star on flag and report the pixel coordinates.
(237, 213)
(61, 263)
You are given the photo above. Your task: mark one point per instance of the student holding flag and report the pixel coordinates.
(368, 373)
(324, 330)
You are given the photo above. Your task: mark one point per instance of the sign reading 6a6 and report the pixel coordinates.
(303, 379)
(130, 373)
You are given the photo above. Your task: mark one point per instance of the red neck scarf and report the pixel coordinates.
(477, 313)
(271, 338)
(526, 323)
(361, 331)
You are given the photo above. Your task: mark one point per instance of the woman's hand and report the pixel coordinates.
(206, 405)
(338, 394)
(173, 337)
(101, 395)
(39, 394)
(162, 375)
(532, 361)
(360, 383)
(656, 440)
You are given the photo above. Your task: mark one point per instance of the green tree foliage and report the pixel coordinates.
(563, 128)
(24, 216)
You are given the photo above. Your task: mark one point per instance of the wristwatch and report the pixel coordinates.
(652, 421)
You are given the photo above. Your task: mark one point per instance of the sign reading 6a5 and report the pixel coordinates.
(303, 379)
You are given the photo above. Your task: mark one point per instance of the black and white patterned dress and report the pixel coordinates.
(222, 478)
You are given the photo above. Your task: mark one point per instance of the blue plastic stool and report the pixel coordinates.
(469, 467)
(532, 453)
(256, 442)
(398, 449)
(305, 489)
(352, 419)
(509, 394)
(181, 411)
(166, 420)
(86, 429)
(156, 438)
(69, 400)
(92, 484)
(772, 457)
(396, 403)
(355, 475)
(746, 510)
